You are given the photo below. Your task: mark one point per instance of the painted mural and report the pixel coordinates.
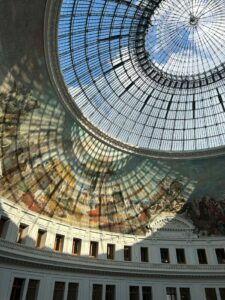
(208, 215)
(53, 167)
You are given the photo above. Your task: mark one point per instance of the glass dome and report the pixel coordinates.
(144, 76)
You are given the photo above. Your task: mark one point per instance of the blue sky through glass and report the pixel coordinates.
(118, 92)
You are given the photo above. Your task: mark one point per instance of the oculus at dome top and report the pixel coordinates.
(144, 76)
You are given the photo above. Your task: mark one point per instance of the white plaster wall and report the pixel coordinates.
(190, 242)
(48, 278)
(18, 215)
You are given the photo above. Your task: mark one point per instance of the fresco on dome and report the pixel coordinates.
(208, 215)
(52, 167)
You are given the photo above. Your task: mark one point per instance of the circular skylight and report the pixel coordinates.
(145, 76)
(189, 40)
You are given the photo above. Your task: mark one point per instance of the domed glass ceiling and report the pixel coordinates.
(146, 76)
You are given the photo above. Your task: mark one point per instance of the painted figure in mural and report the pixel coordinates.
(208, 214)
(168, 198)
(14, 105)
(14, 152)
(87, 193)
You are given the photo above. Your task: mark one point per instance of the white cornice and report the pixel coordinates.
(20, 255)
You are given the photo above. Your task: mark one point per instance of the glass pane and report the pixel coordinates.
(59, 243)
(144, 254)
(110, 292)
(171, 293)
(59, 290)
(185, 294)
(93, 249)
(40, 237)
(222, 293)
(72, 291)
(127, 253)
(210, 294)
(180, 256)
(146, 293)
(76, 246)
(97, 292)
(110, 251)
(134, 292)
(220, 253)
(202, 256)
(17, 289)
(164, 255)
(3, 222)
(32, 290)
(21, 235)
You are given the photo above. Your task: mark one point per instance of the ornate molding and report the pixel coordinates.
(171, 223)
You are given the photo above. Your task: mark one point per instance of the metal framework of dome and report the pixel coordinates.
(145, 76)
